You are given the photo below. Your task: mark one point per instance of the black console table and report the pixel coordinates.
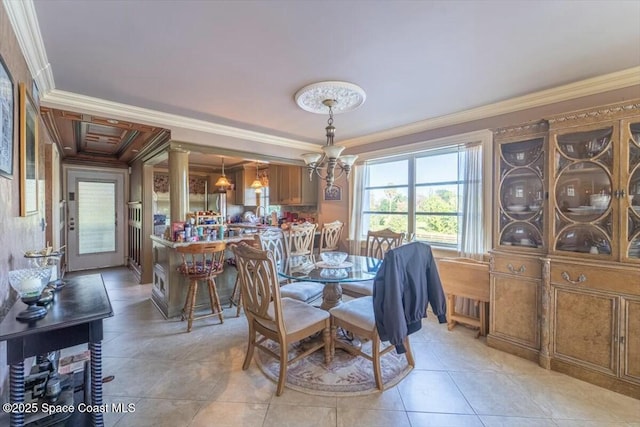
(74, 317)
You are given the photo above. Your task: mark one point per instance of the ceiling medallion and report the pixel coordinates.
(348, 97)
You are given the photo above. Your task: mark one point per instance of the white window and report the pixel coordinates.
(418, 194)
(436, 191)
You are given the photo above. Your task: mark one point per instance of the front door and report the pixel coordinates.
(95, 224)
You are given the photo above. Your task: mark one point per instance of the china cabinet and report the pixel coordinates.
(520, 159)
(565, 268)
(519, 236)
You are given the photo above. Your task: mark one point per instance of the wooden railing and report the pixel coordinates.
(134, 228)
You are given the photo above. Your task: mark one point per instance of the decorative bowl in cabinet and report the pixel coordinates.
(600, 201)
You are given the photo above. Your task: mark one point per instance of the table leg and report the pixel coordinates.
(16, 386)
(331, 296)
(97, 418)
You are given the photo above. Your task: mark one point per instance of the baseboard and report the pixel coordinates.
(598, 378)
(512, 348)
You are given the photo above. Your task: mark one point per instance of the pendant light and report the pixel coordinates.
(256, 184)
(222, 182)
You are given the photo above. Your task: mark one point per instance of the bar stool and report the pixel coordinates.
(201, 261)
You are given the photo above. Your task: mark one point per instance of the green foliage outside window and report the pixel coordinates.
(429, 227)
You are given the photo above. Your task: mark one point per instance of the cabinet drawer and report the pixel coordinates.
(517, 265)
(590, 276)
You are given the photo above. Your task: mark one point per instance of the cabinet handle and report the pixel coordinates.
(619, 193)
(581, 278)
(521, 270)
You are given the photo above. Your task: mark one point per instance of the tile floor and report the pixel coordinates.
(194, 379)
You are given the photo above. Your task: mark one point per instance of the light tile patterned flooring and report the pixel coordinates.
(176, 379)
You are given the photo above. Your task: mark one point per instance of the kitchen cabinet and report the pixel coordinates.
(290, 186)
(244, 195)
(274, 179)
(565, 266)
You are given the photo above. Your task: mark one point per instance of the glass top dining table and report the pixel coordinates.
(311, 268)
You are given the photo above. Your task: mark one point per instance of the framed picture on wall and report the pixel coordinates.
(28, 154)
(6, 121)
(333, 193)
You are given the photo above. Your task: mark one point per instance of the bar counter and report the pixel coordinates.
(170, 288)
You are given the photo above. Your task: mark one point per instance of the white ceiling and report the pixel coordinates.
(240, 63)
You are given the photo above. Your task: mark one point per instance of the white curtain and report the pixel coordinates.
(471, 224)
(471, 227)
(356, 195)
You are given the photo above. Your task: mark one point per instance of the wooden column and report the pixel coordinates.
(178, 183)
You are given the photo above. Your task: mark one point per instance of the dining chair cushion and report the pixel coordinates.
(199, 268)
(364, 288)
(297, 315)
(302, 291)
(357, 312)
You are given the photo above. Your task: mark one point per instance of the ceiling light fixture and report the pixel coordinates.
(256, 184)
(222, 182)
(337, 97)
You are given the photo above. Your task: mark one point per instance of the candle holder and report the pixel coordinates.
(29, 283)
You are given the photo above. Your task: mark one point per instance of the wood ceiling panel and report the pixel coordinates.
(83, 138)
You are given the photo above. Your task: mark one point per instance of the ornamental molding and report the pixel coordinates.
(607, 112)
(348, 97)
(533, 127)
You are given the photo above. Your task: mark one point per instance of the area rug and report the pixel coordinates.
(346, 375)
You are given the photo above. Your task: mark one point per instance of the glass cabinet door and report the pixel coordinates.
(584, 209)
(631, 193)
(521, 194)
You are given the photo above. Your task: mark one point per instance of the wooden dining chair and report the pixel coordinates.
(201, 262)
(330, 236)
(299, 239)
(378, 244)
(357, 317)
(272, 241)
(272, 317)
(236, 294)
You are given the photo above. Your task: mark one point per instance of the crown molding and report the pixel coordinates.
(76, 102)
(23, 18)
(592, 86)
(484, 137)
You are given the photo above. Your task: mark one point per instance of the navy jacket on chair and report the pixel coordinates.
(406, 282)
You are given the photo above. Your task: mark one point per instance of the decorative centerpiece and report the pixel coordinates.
(29, 283)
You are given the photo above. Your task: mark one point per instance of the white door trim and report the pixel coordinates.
(76, 262)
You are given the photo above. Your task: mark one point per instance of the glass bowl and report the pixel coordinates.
(29, 283)
(334, 273)
(333, 258)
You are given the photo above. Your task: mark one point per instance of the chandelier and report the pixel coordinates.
(337, 97)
